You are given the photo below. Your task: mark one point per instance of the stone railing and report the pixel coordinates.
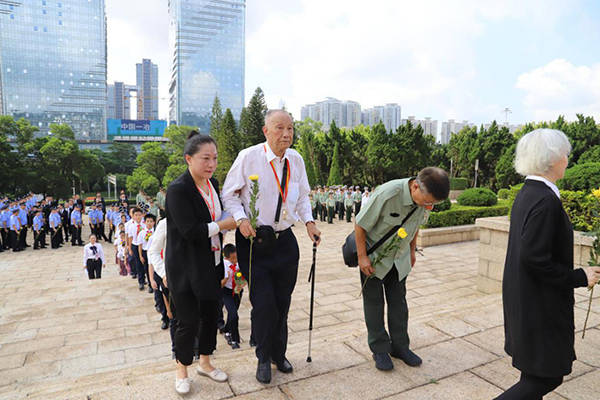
(493, 241)
(451, 234)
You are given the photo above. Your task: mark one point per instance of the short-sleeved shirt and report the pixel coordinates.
(134, 232)
(386, 208)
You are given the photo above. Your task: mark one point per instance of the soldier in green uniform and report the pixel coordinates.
(339, 203)
(388, 205)
(323, 202)
(357, 200)
(348, 204)
(330, 208)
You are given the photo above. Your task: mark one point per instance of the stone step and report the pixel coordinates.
(135, 381)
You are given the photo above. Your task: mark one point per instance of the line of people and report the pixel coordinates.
(328, 201)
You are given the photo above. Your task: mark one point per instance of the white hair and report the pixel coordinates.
(539, 150)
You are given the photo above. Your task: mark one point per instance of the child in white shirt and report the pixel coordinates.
(121, 252)
(143, 240)
(232, 296)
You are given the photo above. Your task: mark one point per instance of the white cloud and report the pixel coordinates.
(418, 54)
(560, 87)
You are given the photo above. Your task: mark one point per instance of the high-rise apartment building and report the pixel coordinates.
(207, 44)
(346, 114)
(147, 89)
(53, 64)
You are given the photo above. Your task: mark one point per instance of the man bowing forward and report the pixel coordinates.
(283, 200)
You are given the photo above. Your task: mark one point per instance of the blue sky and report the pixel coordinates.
(461, 59)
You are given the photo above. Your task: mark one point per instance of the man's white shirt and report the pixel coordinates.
(255, 161)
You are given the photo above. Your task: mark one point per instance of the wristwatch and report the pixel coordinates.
(239, 221)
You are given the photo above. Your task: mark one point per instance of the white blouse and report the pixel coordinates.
(89, 253)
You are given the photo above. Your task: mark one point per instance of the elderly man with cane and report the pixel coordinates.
(400, 203)
(283, 200)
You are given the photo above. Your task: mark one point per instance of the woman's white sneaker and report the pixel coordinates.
(216, 375)
(182, 386)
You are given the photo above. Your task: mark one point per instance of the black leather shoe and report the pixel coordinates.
(409, 358)
(383, 362)
(133, 276)
(164, 325)
(252, 342)
(263, 372)
(141, 286)
(284, 366)
(150, 290)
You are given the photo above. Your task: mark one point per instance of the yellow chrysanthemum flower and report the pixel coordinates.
(253, 178)
(239, 274)
(596, 193)
(402, 233)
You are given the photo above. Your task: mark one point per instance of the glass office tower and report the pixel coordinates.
(53, 64)
(207, 44)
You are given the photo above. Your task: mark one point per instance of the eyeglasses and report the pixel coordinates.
(424, 191)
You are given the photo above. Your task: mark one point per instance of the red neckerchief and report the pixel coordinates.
(211, 207)
(287, 178)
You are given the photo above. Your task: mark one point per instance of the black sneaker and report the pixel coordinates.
(383, 362)
(409, 358)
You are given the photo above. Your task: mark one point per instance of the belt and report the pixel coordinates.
(277, 233)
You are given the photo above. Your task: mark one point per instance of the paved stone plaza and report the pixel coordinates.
(65, 337)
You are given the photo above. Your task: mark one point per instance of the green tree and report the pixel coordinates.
(335, 171)
(506, 176)
(590, 155)
(490, 143)
(153, 159)
(462, 150)
(140, 179)
(378, 151)
(228, 144)
(254, 119)
(216, 117)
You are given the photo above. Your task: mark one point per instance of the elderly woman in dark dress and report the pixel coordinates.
(539, 278)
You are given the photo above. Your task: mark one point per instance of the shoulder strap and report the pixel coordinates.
(390, 232)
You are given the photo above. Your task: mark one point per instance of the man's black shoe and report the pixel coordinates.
(133, 276)
(263, 372)
(235, 345)
(252, 342)
(228, 338)
(284, 366)
(141, 286)
(383, 362)
(164, 325)
(409, 358)
(150, 290)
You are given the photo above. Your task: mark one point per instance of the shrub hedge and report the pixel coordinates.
(443, 206)
(464, 215)
(581, 177)
(477, 197)
(458, 183)
(503, 194)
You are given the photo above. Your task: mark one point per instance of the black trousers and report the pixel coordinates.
(111, 230)
(65, 228)
(14, 240)
(55, 236)
(195, 318)
(38, 239)
(272, 280)
(531, 387)
(23, 237)
(5, 241)
(76, 235)
(158, 297)
(341, 210)
(232, 304)
(323, 212)
(94, 268)
(100, 232)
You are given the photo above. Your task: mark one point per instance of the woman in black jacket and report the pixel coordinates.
(193, 258)
(539, 279)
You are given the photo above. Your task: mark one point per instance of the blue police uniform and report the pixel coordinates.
(76, 223)
(15, 227)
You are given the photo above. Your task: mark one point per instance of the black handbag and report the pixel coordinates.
(349, 247)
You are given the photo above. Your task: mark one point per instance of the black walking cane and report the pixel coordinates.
(311, 279)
